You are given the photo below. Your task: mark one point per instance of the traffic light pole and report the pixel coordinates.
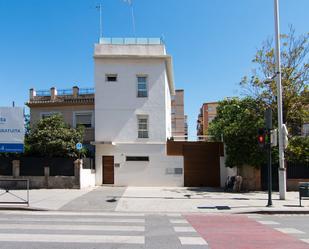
(270, 202)
(268, 125)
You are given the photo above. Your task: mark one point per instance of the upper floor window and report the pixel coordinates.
(111, 77)
(49, 114)
(83, 118)
(142, 125)
(142, 90)
(211, 108)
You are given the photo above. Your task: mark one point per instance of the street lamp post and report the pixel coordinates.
(282, 170)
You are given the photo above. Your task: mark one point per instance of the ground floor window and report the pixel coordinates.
(138, 158)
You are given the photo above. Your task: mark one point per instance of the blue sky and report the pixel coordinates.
(50, 43)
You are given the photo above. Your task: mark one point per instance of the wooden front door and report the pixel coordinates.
(108, 169)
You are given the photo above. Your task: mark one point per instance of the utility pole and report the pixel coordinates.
(282, 170)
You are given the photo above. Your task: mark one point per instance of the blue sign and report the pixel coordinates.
(79, 146)
(12, 130)
(19, 148)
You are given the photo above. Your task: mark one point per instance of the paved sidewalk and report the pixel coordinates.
(161, 200)
(206, 200)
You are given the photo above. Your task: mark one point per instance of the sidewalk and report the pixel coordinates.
(161, 200)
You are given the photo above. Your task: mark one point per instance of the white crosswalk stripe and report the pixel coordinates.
(72, 220)
(79, 214)
(192, 241)
(289, 230)
(179, 221)
(66, 238)
(268, 222)
(70, 227)
(189, 240)
(184, 229)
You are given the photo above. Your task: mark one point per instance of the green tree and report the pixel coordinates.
(298, 150)
(295, 79)
(51, 137)
(237, 121)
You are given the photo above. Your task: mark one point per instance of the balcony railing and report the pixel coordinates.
(132, 41)
(65, 92)
(62, 92)
(42, 93)
(84, 91)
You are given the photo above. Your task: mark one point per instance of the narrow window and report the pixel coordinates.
(49, 114)
(137, 158)
(142, 122)
(111, 77)
(142, 90)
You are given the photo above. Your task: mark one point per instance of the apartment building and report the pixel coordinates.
(134, 84)
(208, 112)
(179, 119)
(75, 105)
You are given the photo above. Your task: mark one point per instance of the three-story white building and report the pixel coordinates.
(134, 84)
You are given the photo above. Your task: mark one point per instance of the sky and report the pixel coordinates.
(212, 42)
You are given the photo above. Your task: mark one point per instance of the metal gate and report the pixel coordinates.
(14, 191)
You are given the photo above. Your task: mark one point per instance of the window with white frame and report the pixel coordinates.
(142, 90)
(83, 119)
(142, 126)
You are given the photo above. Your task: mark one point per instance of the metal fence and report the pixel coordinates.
(34, 166)
(42, 93)
(84, 91)
(65, 92)
(6, 166)
(14, 191)
(297, 170)
(132, 40)
(88, 163)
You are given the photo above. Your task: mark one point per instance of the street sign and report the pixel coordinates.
(79, 146)
(12, 129)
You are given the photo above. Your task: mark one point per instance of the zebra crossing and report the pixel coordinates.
(110, 230)
(292, 224)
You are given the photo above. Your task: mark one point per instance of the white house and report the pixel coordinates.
(133, 85)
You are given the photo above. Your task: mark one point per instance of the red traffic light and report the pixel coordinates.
(261, 137)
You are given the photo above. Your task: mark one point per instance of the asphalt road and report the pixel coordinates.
(111, 230)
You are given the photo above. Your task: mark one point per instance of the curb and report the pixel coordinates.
(15, 208)
(270, 212)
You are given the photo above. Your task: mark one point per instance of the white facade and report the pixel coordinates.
(118, 107)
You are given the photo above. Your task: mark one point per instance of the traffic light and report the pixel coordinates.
(261, 137)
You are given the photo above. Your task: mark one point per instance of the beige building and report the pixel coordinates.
(75, 105)
(208, 112)
(179, 119)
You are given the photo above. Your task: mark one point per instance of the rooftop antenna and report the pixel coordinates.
(99, 8)
(130, 2)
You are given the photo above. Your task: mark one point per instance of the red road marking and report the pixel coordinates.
(241, 232)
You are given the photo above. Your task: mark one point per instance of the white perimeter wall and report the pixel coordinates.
(86, 178)
(152, 173)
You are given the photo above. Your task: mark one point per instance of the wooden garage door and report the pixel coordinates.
(201, 165)
(108, 169)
